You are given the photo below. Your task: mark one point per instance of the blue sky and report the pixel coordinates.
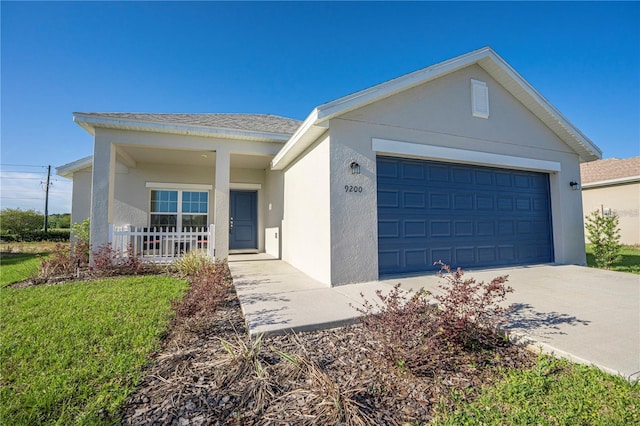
(284, 59)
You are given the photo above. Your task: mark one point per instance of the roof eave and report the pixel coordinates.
(611, 182)
(571, 135)
(298, 142)
(67, 170)
(90, 122)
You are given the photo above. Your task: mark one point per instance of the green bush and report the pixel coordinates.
(17, 221)
(603, 233)
(55, 235)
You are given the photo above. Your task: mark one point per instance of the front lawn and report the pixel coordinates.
(16, 267)
(554, 391)
(630, 261)
(73, 353)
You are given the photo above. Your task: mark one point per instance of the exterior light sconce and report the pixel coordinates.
(574, 185)
(355, 168)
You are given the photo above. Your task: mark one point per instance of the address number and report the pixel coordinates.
(352, 188)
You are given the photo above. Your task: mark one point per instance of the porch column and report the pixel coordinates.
(102, 189)
(221, 212)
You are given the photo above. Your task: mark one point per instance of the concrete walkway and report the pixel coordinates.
(588, 315)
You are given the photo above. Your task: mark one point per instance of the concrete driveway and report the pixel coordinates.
(588, 315)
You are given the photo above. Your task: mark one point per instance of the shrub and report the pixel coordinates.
(106, 262)
(191, 263)
(415, 335)
(55, 235)
(603, 233)
(209, 286)
(470, 311)
(57, 264)
(402, 324)
(17, 221)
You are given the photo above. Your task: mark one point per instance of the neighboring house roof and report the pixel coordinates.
(315, 124)
(263, 127)
(611, 171)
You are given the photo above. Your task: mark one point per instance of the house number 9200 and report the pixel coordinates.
(352, 188)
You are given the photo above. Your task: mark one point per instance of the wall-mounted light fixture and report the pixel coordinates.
(574, 185)
(355, 168)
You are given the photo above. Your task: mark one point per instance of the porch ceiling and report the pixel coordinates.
(191, 158)
(169, 156)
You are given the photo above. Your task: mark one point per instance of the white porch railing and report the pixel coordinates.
(161, 244)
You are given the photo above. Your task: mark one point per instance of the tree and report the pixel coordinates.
(17, 221)
(604, 235)
(60, 220)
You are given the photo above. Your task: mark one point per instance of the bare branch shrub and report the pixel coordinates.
(416, 335)
(209, 286)
(469, 311)
(402, 323)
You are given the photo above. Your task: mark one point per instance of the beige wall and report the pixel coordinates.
(81, 196)
(306, 230)
(438, 114)
(624, 200)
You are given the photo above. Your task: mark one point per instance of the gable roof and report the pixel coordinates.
(316, 123)
(263, 127)
(610, 171)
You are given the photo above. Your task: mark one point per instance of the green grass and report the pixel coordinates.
(630, 261)
(16, 267)
(553, 392)
(72, 353)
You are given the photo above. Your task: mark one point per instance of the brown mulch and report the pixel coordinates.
(325, 377)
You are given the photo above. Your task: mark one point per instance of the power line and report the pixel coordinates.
(21, 198)
(21, 165)
(20, 178)
(23, 171)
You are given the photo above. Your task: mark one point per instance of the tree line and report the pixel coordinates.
(28, 225)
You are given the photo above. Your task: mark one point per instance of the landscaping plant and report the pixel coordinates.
(604, 235)
(416, 335)
(403, 325)
(469, 311)
(209, 285)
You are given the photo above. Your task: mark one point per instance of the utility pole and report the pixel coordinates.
(46, 200)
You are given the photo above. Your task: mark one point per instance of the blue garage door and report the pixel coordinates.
(467, 216)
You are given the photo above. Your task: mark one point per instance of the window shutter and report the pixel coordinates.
(479, 99)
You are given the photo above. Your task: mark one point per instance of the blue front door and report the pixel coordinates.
(243, 220)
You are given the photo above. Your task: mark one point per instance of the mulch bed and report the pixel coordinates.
(326, 377)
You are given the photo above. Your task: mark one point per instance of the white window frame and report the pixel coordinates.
(180, 189)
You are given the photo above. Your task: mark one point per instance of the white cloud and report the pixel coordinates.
(26, 191)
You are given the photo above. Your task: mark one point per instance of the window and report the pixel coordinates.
(178, 209)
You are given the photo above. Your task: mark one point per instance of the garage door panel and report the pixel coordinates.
(463, 215)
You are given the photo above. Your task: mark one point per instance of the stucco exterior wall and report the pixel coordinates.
(622, 199)
(439, 114)
(132, 197)
(306, 229)
(81, 196)
(274, 210)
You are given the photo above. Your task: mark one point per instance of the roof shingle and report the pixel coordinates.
(611, 168)
(252, 122)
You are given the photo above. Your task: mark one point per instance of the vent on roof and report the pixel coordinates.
(479, 99)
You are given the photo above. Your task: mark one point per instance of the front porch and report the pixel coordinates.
(158, 203)
(161, 244)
